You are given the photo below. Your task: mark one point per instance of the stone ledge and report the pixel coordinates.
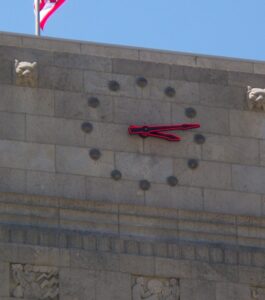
(134, 221)
(112, 51)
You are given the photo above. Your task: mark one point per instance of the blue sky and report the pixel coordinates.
(233, 28)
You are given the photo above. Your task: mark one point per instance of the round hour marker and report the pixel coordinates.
(145, 185)
(116, 175)
(170, 92)
(190, 112)
(93, 102)
(114, 85)
(193, 164)
(87, 127)
(199, 139)
(172, 181)
(141, 82)
(95, 154)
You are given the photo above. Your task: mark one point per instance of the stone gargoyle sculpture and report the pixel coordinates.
(256, 98)
(26, 73)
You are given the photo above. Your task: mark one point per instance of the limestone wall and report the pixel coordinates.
(70, 231)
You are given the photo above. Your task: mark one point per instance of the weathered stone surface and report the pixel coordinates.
(177, 197)
(73, 160)
(231, 149)
(77, 284)
(27, 156)
(26, 100)
(197, 290)
(6, 71)
(247, 124)
(106, 189)
(59, 185)
(144, 167)
(232, 291)
(87, 62)
(232, 202)
(60, 78)
(12, 126)
(208, 174)
(75, 106)
(248, 178)
(131, 111)
(55, 131)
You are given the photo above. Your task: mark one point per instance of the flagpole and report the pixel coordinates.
(37, 18)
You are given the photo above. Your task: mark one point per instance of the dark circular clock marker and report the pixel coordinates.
(199, 139)
(193, 164)
(144, 185)
(87, 127)
(172, 181)
(141, 82)
(114, 85)
(95, 154)
(190, 112)
(116, 175)
(170, 91)
(93, 102)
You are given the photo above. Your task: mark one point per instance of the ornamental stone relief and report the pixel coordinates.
(26, 73)
(258, 293)
(155, 289)
(34, 282)
(256, 98)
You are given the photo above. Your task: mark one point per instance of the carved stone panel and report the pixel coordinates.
(258, 293)
(155, 289)
(256, 98)
(26, 73)
(34, 282)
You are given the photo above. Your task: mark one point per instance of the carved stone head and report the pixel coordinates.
(26, 73)
(256, 98)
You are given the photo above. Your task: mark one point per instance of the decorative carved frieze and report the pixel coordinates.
(256, 98)
(34, 282)
(26, 73)
(155, 289)
(258, 293)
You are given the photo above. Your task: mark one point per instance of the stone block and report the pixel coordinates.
(232, 202)
(232, 291)
(262, 152)
(78, 61)
(75, 106)
(223, 96)
(152, 168)
(140, 68)
(231, 149)
(60, 78)
(12, 180)
(131, 247)
(12, 126)
(77, 284)
(165, 267)
(174, 251)
(174, 197)
(135, 264)
(185, 91)
(167, 57)
(247, 124)
(243, 79)
(224, 64)
(212, 120)
(197, 74)
(258, 259)
(259, 68)
(248, 178)
(54, 131)
(130, 111)
(253, 276)
(4, 279)
(216, 255)
(186, 148)
(197, 290)
(208, 174)
(89, 242)
(10, 40)
(27, 156)
(98, 83)
(75, 160)
(26, 100)
(113, 286)
(231, 256)
(110, 51)
(26, 54)
(146, 248)
(202, 253)
(58, 185)
(113, 137)
(51, 44)
(6, 71)
(108, 190)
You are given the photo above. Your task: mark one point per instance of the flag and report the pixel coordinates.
(47, 8)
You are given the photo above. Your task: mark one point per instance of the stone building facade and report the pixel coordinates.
(88, 212)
